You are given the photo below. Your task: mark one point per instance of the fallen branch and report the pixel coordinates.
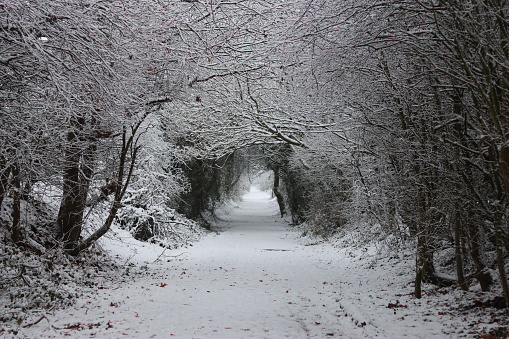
(36, 322)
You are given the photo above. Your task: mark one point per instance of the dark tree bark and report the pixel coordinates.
(500, 258)
(277, 193)
(481, 274)
(5, 171)
(425, 268)
(128, 148)
(16, 205)
(420, 266)
(76, 180)
(459, 255)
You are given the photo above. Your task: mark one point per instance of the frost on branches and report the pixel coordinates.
(149, 204)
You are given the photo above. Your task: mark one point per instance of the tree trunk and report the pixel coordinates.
(5, 171)
(425, 269)
(16, 205)
(500, 259)
(503, 174)
(121, 187)
(277, 193)
(420, 265)
(481, 274)
(70, 214)
(459, 256)
(76, 181)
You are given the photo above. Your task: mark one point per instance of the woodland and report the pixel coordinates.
(385, 118)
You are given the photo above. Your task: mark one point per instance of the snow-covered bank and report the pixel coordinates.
(256, 278)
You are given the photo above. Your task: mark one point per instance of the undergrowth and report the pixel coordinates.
(33, 284)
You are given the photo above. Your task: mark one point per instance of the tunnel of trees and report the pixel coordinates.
(389, 118)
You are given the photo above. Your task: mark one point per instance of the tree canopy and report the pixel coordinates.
(381, 113)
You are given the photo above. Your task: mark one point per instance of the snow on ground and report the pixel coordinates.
(255, 277)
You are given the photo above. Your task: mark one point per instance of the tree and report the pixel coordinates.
(86, 77)
(431, 82)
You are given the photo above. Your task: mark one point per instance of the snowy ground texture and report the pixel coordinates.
(256, 277)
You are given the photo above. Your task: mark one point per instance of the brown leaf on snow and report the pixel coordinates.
(76, 326)
(396, 305)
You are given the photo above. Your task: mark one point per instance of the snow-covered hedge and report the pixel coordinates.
(159, 225)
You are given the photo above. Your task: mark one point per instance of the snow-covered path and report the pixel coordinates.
(251, 280)
(259, 282)
(255, 278)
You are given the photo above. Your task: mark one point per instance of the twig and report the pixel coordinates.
(132, 256)
(20, 275)
(160, 255)
(36, 322)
